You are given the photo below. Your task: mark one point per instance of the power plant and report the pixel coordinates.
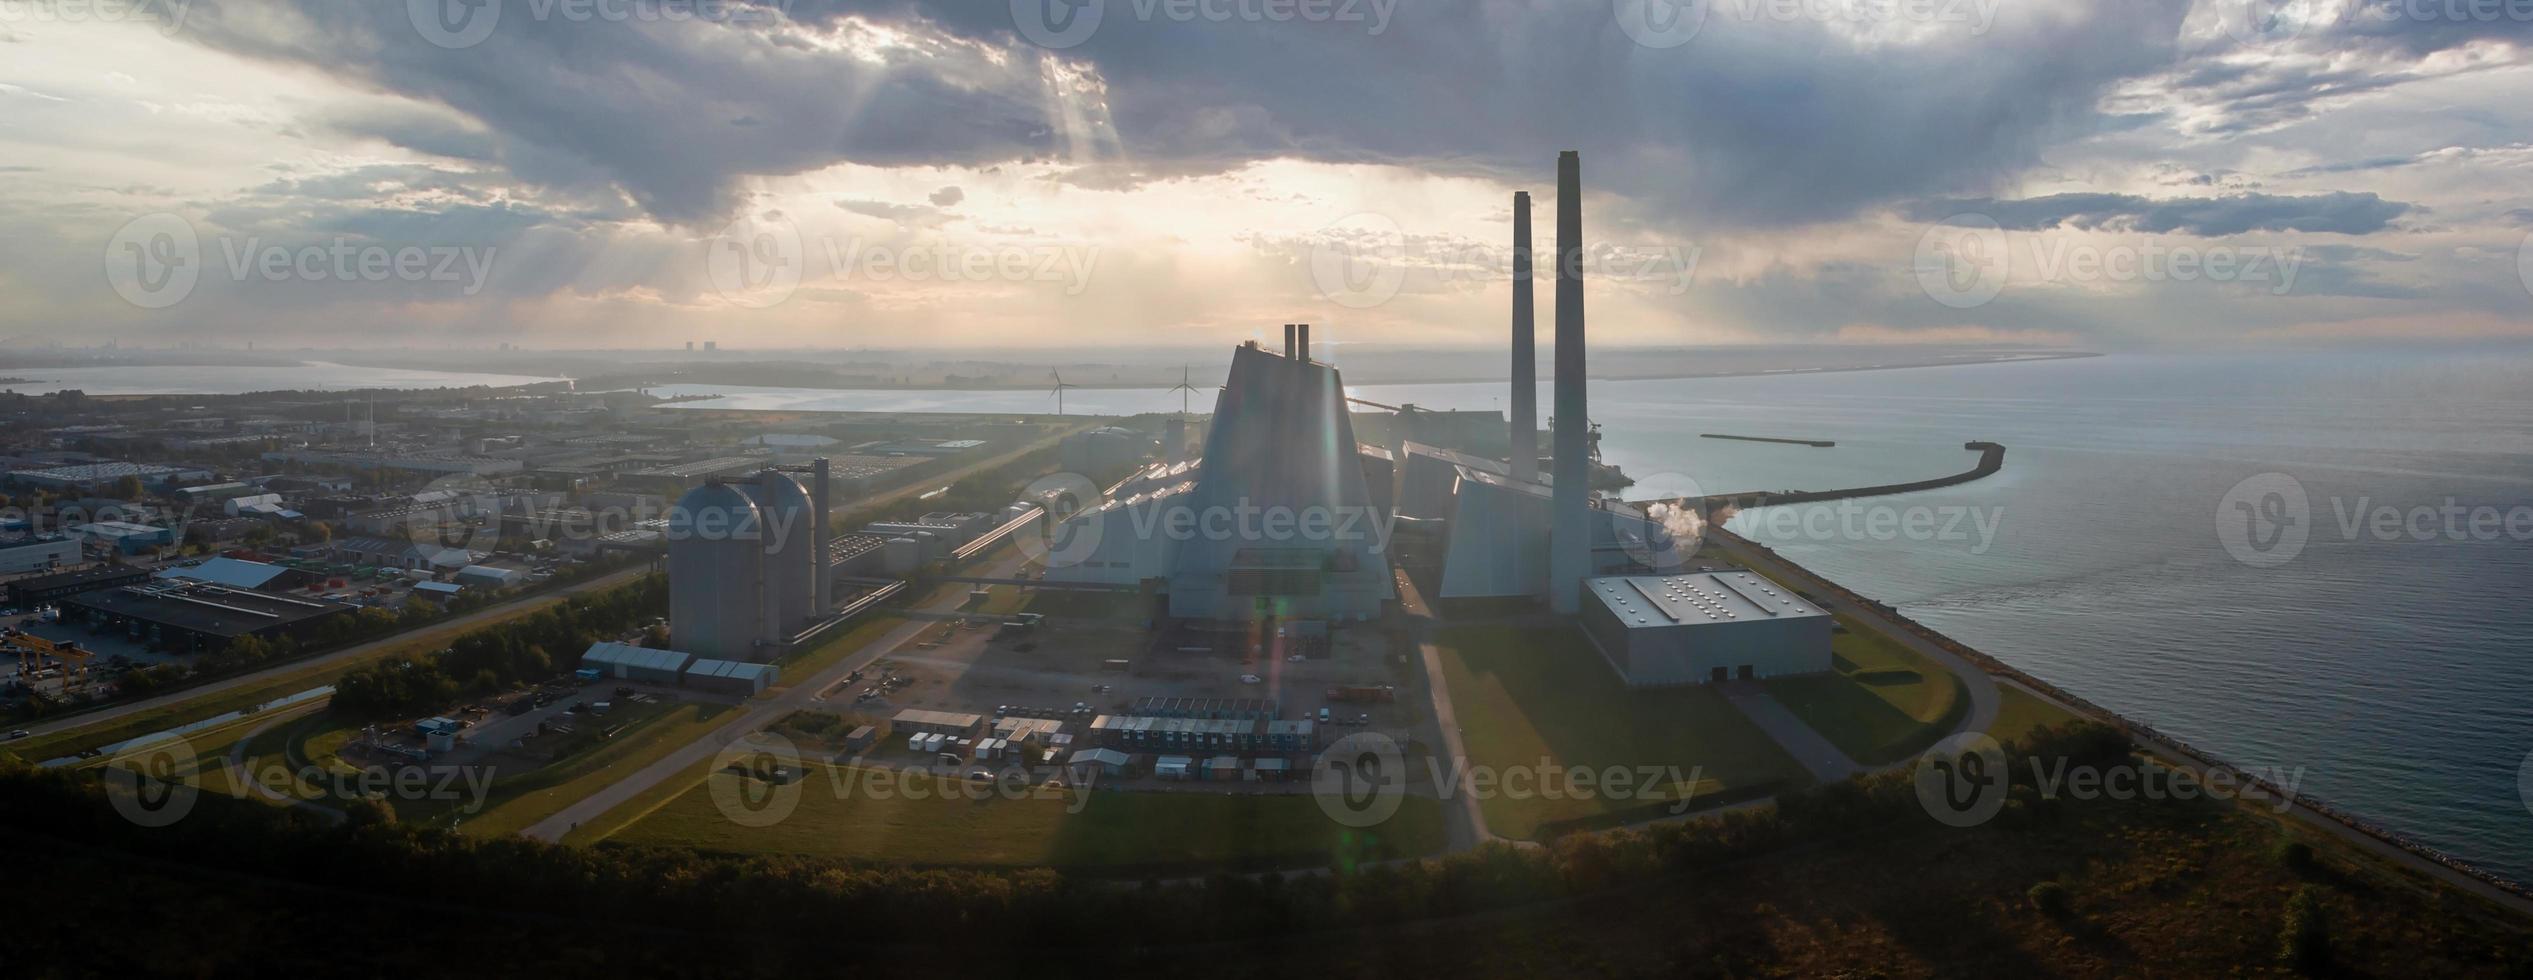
(1282, 442)
(747, 564)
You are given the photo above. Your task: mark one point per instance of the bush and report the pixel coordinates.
(2293, 855)
(2049, 897)
(2304, 938)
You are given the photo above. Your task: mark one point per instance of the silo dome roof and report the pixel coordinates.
(713, 510)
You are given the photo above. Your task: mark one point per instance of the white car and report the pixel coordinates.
(1251, 679)
(19, 734)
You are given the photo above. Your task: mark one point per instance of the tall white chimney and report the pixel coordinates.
(1525, 420)
(1570, 543)
(820, 503)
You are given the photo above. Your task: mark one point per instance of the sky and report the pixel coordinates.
(2097, 174)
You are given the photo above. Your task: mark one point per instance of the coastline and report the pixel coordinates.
(2384, 841)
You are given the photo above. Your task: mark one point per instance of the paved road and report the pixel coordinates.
(1465, 824)
(346, 655)
(799, 696)
(1817, 754)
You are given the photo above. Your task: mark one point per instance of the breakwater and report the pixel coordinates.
(1814, 443)
(1991, 459)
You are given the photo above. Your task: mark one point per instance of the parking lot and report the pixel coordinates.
(977, 666)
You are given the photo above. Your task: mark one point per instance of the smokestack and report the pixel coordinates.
(1525, 421)
(1570, 546)
(1302, 352)
(819, 502)
(1289, 335)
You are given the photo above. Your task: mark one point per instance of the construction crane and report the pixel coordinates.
(32, 649)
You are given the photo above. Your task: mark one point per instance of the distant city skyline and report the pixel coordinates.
(836, 174)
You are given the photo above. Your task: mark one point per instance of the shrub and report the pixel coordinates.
(2049, 897)
(2293, 855)
(2304, 938)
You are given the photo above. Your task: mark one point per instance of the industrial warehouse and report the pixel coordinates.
(194, 617)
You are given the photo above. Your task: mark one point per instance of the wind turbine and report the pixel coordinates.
(1060, 386)
(1184, 389)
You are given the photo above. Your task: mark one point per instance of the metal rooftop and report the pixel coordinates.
(1697, 599)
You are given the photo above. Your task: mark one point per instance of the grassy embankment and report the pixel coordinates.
(1528, 695)
(923, 820)
(1882, 703)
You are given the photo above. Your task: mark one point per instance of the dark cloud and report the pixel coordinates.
(948, 197)
(2340, 213)
(1755, 122)
(649, 107)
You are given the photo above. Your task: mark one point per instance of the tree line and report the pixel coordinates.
(533, 647)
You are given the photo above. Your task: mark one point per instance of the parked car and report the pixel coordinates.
(1323, 716)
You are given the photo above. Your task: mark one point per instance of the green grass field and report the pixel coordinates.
(2019, 714)
(1884, 703)
(1527, 694)
(840, 815)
